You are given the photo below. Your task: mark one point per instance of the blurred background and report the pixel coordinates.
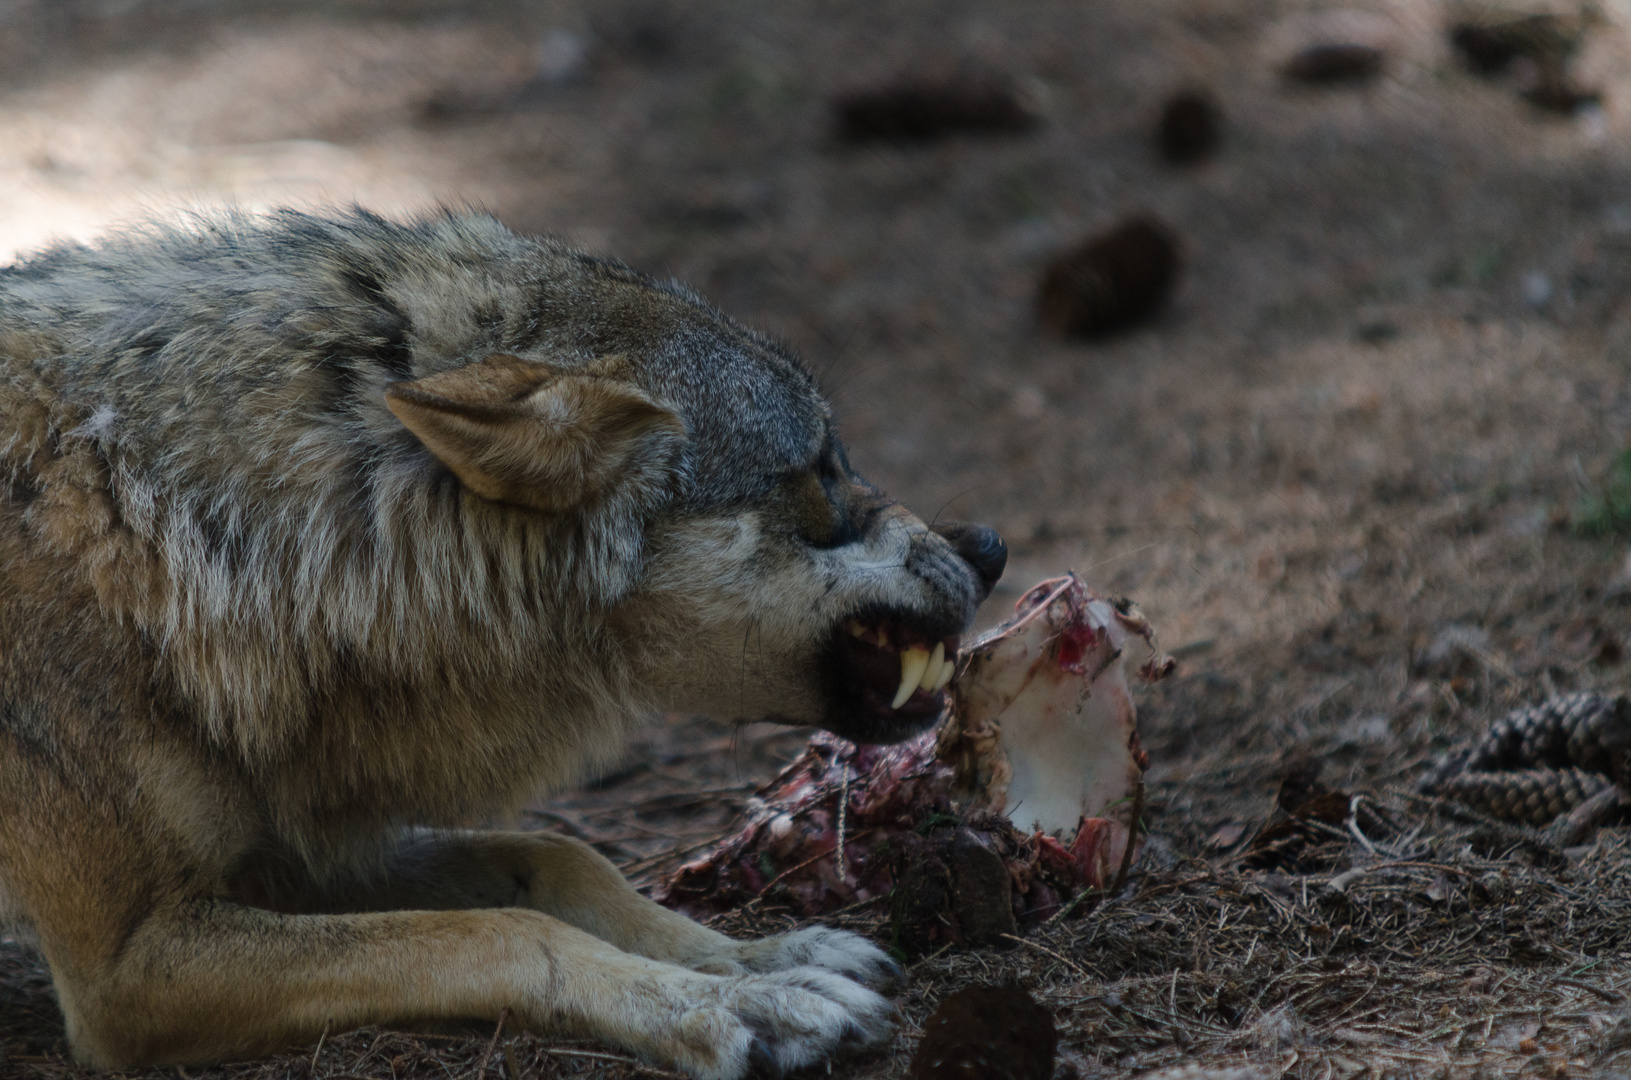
(1397, 284)
(1344, 410)
(1360, 381)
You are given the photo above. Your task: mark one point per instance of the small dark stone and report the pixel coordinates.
(951, 887)
(917, 110)
(982, 893)
(1191, 127)
(920, 909)
(1551, 90)
(987, 1033)
(1490, 48)
(1113, 281)
(1486, 49)
(1347, 62)
(1535, 50)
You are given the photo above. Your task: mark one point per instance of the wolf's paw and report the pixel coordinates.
(840, 951)
(777, 1022)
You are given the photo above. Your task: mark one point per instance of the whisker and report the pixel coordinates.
(1116, 558)
(736, 746)
(837, 391)
(954, 498)
(821, 377)
(742, 686)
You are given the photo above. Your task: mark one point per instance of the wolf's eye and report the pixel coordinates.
(806, 510)
(814, 508)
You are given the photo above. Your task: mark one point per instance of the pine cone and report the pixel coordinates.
(1591, 731)
(1535, 796)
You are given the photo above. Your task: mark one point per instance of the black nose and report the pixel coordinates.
(981, 547)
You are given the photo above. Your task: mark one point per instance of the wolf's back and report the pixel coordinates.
(194, 438)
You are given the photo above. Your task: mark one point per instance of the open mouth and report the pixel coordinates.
(900, 672)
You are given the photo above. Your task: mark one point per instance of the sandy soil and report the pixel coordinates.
(1398, 356)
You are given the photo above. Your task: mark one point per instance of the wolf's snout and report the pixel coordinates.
(981, 547)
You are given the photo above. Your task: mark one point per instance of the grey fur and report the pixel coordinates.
(249, 609)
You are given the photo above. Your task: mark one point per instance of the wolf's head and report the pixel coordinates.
(747, 570)
(398, 478)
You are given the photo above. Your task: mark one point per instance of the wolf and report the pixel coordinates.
(323, 536)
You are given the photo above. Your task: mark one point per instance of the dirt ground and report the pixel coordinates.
(1397, 358)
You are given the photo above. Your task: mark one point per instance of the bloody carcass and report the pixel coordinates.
(1026, 793)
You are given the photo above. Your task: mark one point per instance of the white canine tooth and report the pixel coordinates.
(947, 669)
(912, 663)
(931, 670)
(855, 628)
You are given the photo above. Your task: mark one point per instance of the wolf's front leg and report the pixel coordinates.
(201, 980)
(571, 881)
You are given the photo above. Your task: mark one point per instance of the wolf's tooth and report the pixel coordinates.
(912, 663)
(947, 670)
(855, 628)
(931, 670)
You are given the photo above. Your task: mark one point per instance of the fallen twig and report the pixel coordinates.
(498, 1028)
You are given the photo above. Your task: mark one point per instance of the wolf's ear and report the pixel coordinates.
(539, 436)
